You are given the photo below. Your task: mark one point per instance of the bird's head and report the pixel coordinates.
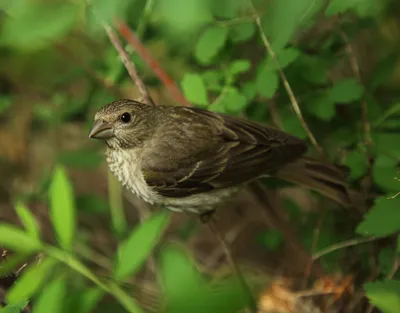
(124, 123)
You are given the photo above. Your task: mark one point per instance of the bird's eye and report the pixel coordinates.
(125, 117)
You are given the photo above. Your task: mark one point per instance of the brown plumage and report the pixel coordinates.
(191, 159)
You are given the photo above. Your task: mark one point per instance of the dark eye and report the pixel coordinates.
(125, 118)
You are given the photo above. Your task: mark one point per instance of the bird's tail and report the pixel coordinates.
(327, 179)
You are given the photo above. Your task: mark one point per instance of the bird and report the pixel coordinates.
(192, 160)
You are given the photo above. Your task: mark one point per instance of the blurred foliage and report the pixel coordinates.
(56, 55)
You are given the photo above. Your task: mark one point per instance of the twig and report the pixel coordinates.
(356, 71)
(285, 82)
(140, 49)
(341, 245)
(214, 229)
(130, 67)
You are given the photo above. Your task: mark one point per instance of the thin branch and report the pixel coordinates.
(140, 49)
(342, 245)
(285, 82)
(130, 67)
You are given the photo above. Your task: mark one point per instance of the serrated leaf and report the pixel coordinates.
(210, 43)
(267, 81)
(51, 298)
(384, 295)
(346, 90)
(357, 163)
(62, 208)
(28, 220)
(194, 89)
(239, 67)
(132, 253)
(382, 220)
(233, 101)
(30, 281)
(242, 32)
(17, 240)
(27, 31)
(283, 19)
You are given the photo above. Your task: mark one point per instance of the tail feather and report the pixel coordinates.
(327, 179)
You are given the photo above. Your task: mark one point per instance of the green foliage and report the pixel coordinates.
(210, 43)
(194, 89)
(52, 297)
(384, 295)
(28, 220)
(17, 240)
(346, 90)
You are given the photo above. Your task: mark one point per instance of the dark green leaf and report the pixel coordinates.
(267, 82)
(80, 159)
(383, 71)
(242, 32)
(384, 172)
(226, 8)
(322, 107)
(17, 240)
(28, 31)
(210, 43)
(341, 6)
(272, 239)
(357, 162)
(346, 90)
(285, 58)
(383, 220)
(313, 69)
(386, 257)
(133, 252)
(394, 110)
(292, 125)
(30, 281)
(28, 220)
(194, 89)
(51, 298)
(5, 103)
(62, 208)
(384, 295)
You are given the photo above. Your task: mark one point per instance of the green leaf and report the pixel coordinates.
(133, 252)
(272, 239)
(210, 43)
(226, 8)
(249, 90)
(384, 172)
(322, 107)
(127, 301)
(383, 71)
(213, 79)
(5, 103)
(62, 208)
(313, 69)
(28, 220)
(27, 31)
(383, 220)
(233, 101)
(357, 162)
(242, 32)
(346, 90)
(239, 67)
(30, 281)
(107, 10)
(80, 159)
(194, 89)
(285, 58)
(267, 81)
(292, 125)
(283, 19)
(51, 298)
(14, 308)
(394, 110)
(340, 6)
(384, 295)
(17, 240)
(386, 257)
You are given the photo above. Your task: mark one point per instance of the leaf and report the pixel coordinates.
(384, 172)
(51, 298)
(28, 220)
(194, 89)
(322, 107)
(80, 159)
(346, 90)
(357, 162)
(285, 58)
(242, 32)
(17, 240)
(393, 110)
(226, 8)
(5, 103)
(26, 30)
(383, 220)
(30, 281)
(267, 81)
(249, 90)
(272, 239)
(385, 295)
(210, 43)
(133, 252)
(213, 79)
(127, 301)
(107, 10)
(283, 19)
(239, 67)
(233, 101)
(14, 308)
(383, 71)
(62, 208)
(313, 69)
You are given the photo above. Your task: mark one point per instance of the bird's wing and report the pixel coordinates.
(214, 151)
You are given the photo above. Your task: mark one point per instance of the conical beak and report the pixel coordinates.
(101, 130)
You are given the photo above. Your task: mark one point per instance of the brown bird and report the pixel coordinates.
(192, 160)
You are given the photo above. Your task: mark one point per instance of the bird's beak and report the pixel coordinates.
(101, 130)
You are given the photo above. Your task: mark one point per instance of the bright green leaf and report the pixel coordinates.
(28, 220)
(226, 8)
(385, 295)
(357, 163)
(30, 281)
(346, 90)
(14, 308)
(233, 101)
(51, 298)
(242, 32)
(194, 89)
(62, 208)
(383, 220)
(210, 43)
(239, 67)
(213, 79)
(249, 90)
(28, 31)
(133, 252)
(267, 81)
(17, 240)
